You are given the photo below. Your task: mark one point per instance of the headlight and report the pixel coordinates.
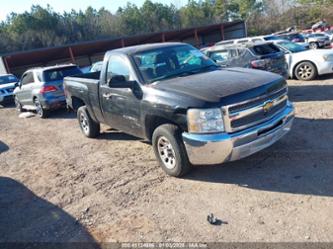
(328, 57)
(205, 120)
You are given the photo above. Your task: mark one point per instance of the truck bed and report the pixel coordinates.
(85, 77)
(83, 88)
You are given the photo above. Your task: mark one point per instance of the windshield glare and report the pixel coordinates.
(60, 73)
(7, 79)
(292, 47)
(171, 62)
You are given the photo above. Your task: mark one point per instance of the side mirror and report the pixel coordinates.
(119, 81)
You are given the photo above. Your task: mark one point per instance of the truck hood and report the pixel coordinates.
(8, 85)
(216, 86)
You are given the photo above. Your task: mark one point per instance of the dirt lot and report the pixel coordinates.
(56, 185)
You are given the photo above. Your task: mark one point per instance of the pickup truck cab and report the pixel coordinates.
(193, 111)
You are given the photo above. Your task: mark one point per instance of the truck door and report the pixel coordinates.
(120, 106)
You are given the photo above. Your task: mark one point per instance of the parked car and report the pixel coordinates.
(96, 67)
(8, 83)
(317, 40)
(192, 110)
(41, 89)
(329, 33)
(248, 39)
(306, 64)
(291, 36)
(263, 55)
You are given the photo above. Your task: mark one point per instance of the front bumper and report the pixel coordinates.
(210, 149)
(325, 67)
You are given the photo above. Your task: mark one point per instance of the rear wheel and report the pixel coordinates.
(41, 112)
(170, 150)
(306, 71)
(88, 126)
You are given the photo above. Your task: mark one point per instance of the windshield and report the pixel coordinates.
(7, 79)
(219, 56)
(60, 73)
(292, 47)
(166, 63)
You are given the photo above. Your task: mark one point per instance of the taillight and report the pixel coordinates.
(47, 89)
(258, 63)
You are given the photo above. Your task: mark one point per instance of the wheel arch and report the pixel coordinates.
(298, 63)
(77, 103)
(154, 121)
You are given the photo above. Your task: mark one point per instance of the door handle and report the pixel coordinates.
(107, 96)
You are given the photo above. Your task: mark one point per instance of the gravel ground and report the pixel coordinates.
(56, 185)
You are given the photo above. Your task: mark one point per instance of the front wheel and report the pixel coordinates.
(18, 105)
(88, 126)
(170, 150)
(306, 71)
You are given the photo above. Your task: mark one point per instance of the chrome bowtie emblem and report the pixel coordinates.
(268, 106)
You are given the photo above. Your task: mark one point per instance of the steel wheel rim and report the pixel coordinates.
(84, 123)
(166, 152)
(305, 71)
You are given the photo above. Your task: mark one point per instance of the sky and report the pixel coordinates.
(19, 6)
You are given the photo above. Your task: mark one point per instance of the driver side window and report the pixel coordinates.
(117, 66)
(27, 79)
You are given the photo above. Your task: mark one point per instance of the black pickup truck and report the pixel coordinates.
(193, 111)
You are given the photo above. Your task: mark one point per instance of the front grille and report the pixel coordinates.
(252, 112)
(260, 115)
(253, 103)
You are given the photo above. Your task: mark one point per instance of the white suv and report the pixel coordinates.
(306, 64)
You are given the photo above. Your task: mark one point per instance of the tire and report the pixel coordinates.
(314, 45)
(40, 111)
(18, 105)
(305, 71)
(167, 140)
(88, 126)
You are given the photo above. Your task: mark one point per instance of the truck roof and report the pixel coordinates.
(146, 47)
